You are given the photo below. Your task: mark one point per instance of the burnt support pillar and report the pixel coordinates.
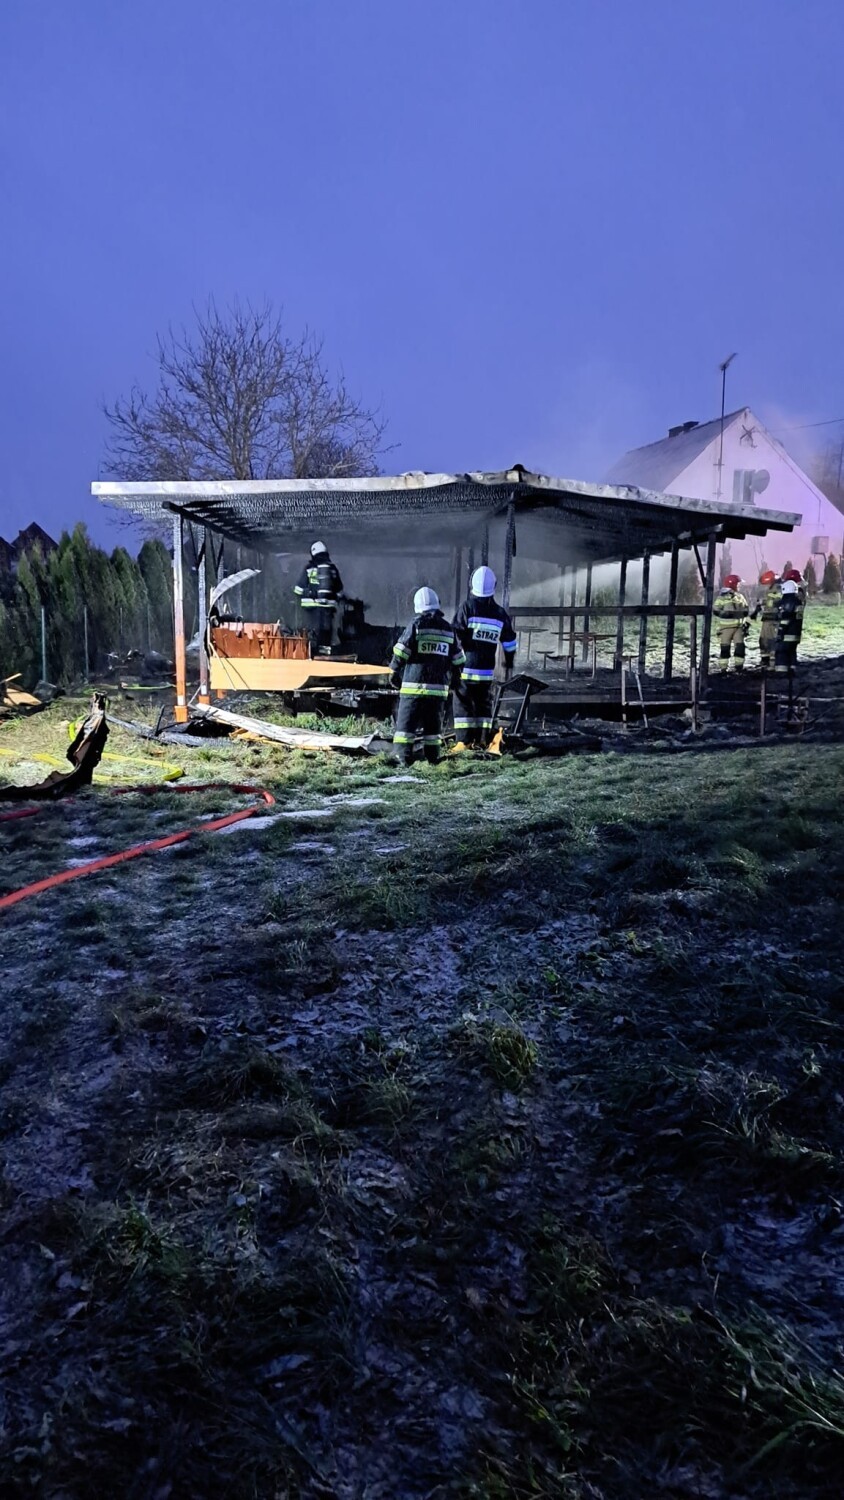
(619, 631)
(179, 621)
(509, 553)
(202, 609)
(485, 547)
(672, 615)
(458, 578)
(709, 600)
(693, 671)
(643, 619)
(587, 600)
(562, 627)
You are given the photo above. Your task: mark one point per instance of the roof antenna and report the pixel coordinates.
(723, 368)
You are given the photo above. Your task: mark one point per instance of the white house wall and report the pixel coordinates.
(789, 490)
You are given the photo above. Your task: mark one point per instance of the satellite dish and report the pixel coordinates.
(760, 481)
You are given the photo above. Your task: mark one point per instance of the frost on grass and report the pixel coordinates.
(493, 1149)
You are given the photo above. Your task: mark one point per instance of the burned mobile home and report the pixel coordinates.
(545, 537)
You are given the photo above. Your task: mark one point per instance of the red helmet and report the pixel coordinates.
(732, 581)
(769, 576)
(792, 576)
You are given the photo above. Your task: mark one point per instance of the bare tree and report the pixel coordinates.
(238, 398)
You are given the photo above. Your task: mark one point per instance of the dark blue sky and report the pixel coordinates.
(529, 228)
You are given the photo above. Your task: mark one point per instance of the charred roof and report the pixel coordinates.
(397, 513)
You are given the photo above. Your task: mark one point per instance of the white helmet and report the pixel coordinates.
(318, 549)
(425, 599)
(789, 587)
(483, 583)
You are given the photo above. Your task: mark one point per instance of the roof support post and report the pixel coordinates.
(485, 546)
(701, 569)
(672, 605)
(709, 600)
(694, 679)
(202, 607)
(562, 629)
(458, 578)
(587, 600)
(572, 621)
(619, 632)
(192, 539)
(179, 620)
(643, 622)
(509, 552)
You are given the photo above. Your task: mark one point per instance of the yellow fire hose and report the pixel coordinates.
(171, 771)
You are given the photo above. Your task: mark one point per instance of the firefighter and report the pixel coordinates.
(768, 607)
(318, 591)
(789, 625)
(731, 612)
(425, 667)
(482, 625)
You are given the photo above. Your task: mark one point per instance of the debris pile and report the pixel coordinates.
(295, 739)
(84, 753)
(144, 668)
(15, 697)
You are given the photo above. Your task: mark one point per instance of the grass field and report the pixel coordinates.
(823, 636)
(474, 1135)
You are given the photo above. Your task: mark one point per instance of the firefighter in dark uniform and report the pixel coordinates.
(482, 625)
(318, 590)
(789, 624)
(768, 608)
(731, 611)
(425, 667)
(793, 575)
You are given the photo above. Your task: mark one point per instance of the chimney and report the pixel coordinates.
(684, 427)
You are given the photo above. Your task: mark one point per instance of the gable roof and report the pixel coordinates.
(32, 535)
(657, 465)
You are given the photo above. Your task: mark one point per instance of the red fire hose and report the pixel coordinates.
(152, 846)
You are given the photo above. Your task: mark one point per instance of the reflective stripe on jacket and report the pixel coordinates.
(790, 620)
(770, 601)
(730, 608)
(482, 625)
(427, 657)
(319, 585)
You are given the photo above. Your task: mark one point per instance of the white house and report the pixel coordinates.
(690, 461)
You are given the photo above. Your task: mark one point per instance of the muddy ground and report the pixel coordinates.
(477, 1134)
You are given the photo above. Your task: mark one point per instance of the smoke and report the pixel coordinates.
(596, 418)
(804, 434)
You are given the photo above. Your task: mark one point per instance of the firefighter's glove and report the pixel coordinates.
(395, 680)
(745, 625)
(508, 670)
